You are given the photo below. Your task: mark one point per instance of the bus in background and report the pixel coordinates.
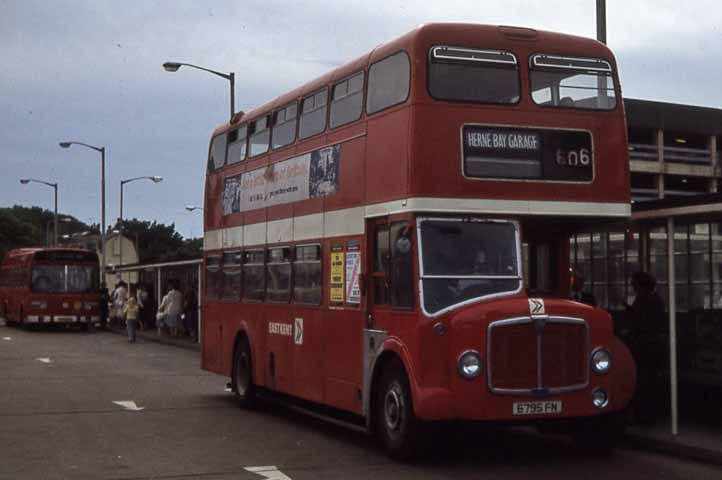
(390, 241)
(40, 286)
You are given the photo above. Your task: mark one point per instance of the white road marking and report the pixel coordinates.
(7, 338)
(44, 360)
(128, 405)
(271, 472)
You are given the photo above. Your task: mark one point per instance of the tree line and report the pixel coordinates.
(22, 227)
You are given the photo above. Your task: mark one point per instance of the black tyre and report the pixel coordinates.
(242, 380)
(395, 424)
(600, 435)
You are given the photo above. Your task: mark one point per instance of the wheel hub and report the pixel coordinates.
(393, 408)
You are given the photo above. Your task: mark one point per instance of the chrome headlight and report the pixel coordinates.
(469, 364)
(600, 399)
(601, 361)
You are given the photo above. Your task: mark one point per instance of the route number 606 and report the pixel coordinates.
(573, 158)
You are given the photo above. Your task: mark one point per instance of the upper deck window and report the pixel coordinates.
(217, 156)
(260, 136)
(313, 114)
(470, 75)
(388, 82)
(570, 82)
(347, 100)
(284, 130)
(237, 144)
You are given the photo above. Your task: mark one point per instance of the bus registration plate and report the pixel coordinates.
(537, 408)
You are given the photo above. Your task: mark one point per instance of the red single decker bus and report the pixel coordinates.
(390, 241)
(50, 286)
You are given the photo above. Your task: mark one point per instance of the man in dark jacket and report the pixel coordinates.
(646, 345)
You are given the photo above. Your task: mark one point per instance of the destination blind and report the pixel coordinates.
(526, 153)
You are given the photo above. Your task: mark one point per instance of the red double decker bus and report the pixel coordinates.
(390, 241)
(50, 286)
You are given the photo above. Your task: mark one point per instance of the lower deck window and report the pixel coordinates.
(214, 277)
(254, 275)
(308, 275)
(279, 275)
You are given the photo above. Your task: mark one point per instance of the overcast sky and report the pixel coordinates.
(91, 71)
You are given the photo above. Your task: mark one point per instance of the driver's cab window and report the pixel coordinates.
(393, 265)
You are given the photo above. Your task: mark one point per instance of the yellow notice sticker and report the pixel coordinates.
(337, 277)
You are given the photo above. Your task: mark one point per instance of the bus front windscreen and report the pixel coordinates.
(466, 259)
(54, 278)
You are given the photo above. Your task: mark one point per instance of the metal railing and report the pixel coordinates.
(643, 151)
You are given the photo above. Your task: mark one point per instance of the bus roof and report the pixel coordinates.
(489, 36)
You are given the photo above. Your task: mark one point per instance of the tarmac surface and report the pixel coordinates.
(58, 420)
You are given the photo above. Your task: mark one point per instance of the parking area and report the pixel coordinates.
(78, 405)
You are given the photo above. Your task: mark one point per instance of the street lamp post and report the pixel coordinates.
(102, 195)
(154, 179)
(25, 181)
(191, 208)
(231, 77)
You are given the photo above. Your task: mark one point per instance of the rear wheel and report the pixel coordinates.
(394, 421)
(242, 381)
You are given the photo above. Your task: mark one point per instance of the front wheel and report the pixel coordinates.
(242, 381)
(395, 423)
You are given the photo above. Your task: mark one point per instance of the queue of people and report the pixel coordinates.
(134, 308)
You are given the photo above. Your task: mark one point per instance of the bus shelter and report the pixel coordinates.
(681, 246)
(156, 276)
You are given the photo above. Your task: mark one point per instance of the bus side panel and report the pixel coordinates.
(343, 355)
(308, 343)
(211, 354)
(279, 342)
(387, 156)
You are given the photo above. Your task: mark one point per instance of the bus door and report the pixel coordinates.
(546, 260)
(391, 288)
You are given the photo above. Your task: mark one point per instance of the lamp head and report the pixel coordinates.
(157, 179)
(64, 144)
(190, 208)
(24, 181)
(171, 66)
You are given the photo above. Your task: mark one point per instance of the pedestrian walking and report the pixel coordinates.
(130, 312)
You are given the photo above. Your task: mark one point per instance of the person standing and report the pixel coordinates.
(120, 296)
(104, 305)
(647, 322)
(171, 308)
(131, 311)
(190, 312)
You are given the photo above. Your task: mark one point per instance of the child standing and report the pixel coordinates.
(131, 311)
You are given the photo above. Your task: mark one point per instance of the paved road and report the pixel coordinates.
(58, 420)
